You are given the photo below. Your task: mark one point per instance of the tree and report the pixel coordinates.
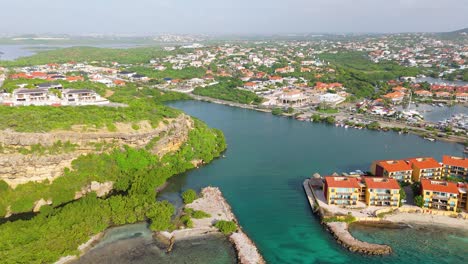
(226, 227)
(277, 111)
(418, 200)
(189, 196)
(402, 195)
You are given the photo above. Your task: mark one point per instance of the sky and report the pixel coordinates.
(144, 17)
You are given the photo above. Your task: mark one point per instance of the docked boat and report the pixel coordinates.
(430, 139)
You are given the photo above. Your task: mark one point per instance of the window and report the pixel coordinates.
(427, 193)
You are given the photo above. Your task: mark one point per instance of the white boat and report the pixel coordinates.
(430, 139)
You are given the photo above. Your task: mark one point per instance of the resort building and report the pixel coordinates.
(382, 191)
(425, 167)
(455, 167)
(341, 190)
(440, 195)
(400, 170)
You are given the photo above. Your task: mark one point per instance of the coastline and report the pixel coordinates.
(212, 202)
(386, 124)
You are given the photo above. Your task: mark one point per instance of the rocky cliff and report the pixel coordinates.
(17, 168)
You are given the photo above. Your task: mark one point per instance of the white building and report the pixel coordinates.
(82, 97)
(332, 99)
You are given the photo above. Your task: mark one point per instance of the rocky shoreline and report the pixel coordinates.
(341, 233)
(213, 203)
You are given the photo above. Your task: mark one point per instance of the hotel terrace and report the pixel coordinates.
(440, 195)
(373, 191)
(396, 169)
(455, 167)
(425, 167)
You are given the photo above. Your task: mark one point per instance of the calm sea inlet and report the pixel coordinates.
(261, 176)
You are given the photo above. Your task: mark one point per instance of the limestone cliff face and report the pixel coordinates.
(17, 168)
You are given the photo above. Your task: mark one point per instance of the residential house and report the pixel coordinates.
(82, 97)
(455, 166)
(341, 190)
(461, 96)
(425, 167)
(382, 191)
(395, 97)
(445, 95)
(423, 93)
(49, 85)
(439, 195)
(399, 170)
(251, 86)
(30, 96)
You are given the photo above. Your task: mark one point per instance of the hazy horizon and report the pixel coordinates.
(241, 17)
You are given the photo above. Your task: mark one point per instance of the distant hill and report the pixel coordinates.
(457, 34)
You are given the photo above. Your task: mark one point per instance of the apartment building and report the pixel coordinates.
(439, 195)
(399, 170)
(382, 191)
(341, 190)
(455, 167)
(425, 167)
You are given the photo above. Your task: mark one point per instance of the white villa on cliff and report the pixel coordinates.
(42, 96)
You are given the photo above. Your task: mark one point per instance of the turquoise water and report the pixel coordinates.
(261, 176)
(134, 244)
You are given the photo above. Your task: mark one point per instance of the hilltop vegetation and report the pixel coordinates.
(186, 73)
(227, 91)
(90, 54)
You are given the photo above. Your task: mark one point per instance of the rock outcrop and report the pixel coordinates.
(342, 235)
(17, 168)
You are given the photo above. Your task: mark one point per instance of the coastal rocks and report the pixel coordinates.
(101, 189)
(211, 201)
(343, 237)
(40, 203)
(247, 252)
(83, 248)
(17, 168)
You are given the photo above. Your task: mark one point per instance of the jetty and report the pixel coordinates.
(212, 202)
(339, 229)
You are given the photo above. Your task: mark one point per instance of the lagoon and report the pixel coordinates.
(261, 177)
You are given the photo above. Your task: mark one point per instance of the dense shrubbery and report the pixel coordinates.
(90, 54)
(227, 90)
(226, 227)
(136, 172)
(189, 196)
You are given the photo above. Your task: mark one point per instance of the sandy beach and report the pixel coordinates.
(427, 219)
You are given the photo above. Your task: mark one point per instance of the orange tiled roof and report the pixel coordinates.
(341, 182)
(455, 161)
(425, 163)
(381, 183)
(394, 165)
(439, 186)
